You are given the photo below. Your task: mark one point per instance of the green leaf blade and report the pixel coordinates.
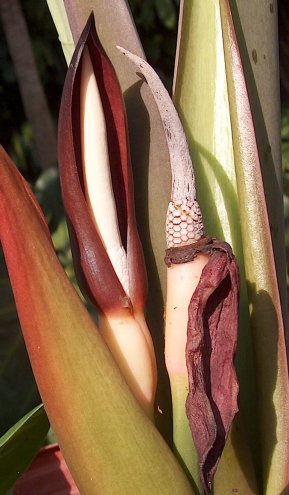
(267, 322)
(20, 444)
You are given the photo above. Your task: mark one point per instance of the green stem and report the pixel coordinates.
(184, 448)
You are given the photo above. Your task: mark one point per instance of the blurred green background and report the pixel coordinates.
(156, 21)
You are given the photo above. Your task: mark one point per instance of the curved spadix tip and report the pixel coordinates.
(183, 197)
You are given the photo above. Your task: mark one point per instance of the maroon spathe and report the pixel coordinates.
(95, 273)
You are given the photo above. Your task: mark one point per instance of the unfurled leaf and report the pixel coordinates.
(267, 322)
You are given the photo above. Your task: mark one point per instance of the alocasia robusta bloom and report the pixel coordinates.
(97, 187)
(95, 270)
(211, 319)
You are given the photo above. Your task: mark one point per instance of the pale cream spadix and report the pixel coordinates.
(97, 177)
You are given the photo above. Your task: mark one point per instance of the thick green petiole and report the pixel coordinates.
(184, 448)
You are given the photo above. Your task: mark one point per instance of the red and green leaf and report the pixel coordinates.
(87, 401)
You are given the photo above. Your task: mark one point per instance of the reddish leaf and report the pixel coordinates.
(47, 473)
(108, 442)
(94, 269)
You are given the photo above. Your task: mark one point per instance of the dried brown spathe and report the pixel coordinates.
(211, 344)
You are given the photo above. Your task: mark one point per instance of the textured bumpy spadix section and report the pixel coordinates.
(184, 223)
